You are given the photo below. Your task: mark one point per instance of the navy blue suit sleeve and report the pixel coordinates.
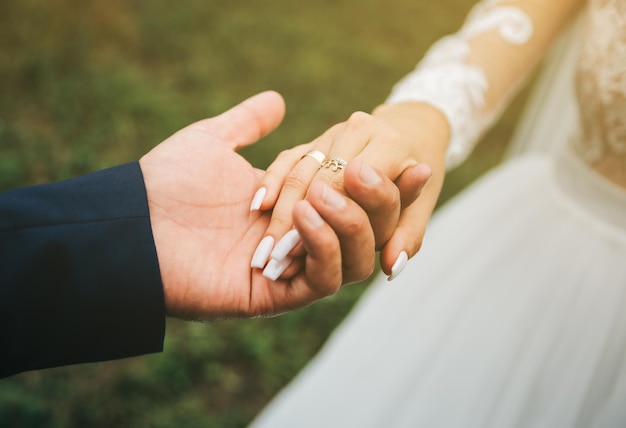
(79, 275)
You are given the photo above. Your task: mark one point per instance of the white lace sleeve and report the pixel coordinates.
(471, 75)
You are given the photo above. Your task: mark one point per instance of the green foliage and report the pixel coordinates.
(88, 84)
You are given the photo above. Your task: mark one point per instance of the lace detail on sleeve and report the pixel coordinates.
(601, 87)
(447, 79)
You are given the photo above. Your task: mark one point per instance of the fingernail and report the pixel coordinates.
(262, 252)
(258, 199)
(313, 217)
(275, 268)
(398, 266)
(286, 244)
(368, 175)
(333, 198)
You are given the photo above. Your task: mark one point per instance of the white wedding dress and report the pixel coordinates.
(513, 314)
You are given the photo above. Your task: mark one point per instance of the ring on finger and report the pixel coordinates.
(317, 155)
(334, 163)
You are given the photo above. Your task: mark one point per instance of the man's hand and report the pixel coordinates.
(199, 192)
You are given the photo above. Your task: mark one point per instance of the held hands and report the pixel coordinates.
(405, 142)
(199, 190)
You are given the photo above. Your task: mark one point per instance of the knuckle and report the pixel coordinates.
(279, 223)
(333, 180)
(381, 205)
(297, 180)
(336, 182)
(359, 117)
(393, 199)
(355, 226)
(385, 200)
(385, 131)
(359, 120)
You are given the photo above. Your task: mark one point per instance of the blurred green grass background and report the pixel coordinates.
(88, 84)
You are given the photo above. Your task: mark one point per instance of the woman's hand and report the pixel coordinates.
(405, 143)
(199, 190)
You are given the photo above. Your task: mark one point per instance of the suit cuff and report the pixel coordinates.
(82, 280)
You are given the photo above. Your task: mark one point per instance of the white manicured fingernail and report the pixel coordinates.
(286, 244)
(398, 266)
(275, 268)
(262, 252)
(258, 199)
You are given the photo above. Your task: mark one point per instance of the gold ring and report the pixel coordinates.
(334, 163)
(317, 155)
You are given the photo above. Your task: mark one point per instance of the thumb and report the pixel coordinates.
(248, 121)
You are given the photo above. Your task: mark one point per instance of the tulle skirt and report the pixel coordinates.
(512, 315)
